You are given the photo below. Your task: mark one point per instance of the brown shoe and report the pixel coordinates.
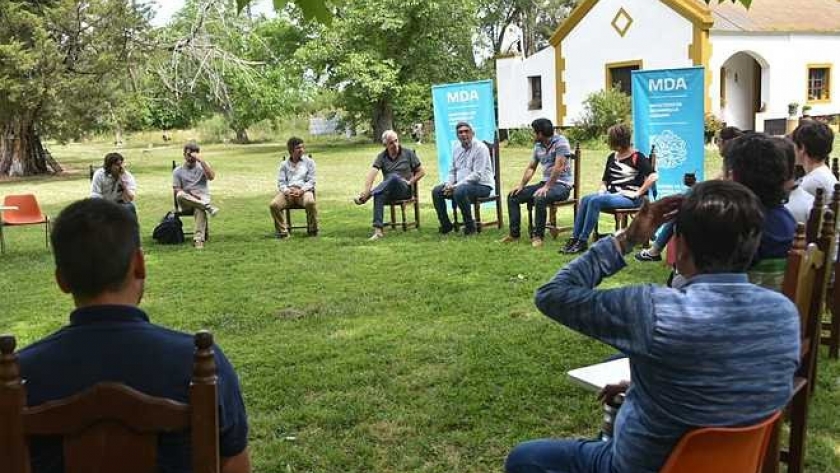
(509, 239)
(198, 245)
(537, 242)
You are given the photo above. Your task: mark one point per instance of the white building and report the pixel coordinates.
(757, 60)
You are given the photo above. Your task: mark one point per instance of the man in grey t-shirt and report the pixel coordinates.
(190, 183)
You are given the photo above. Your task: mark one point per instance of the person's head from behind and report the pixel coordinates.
(813, 141)
(113, 164)
(619, 137)
(725, 136)
(191, 149)
(97, 253)
(543, 129)
(718, 229)
(295, 147)
(757, 161)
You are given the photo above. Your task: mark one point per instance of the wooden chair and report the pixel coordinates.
(186, 212)
(831, 327)
(722, 449)
(835, 168)
(804, 284)
(110, 427)
(495, 197)
(622, 216)
(28, 212)
(572, 201)
(413, 201)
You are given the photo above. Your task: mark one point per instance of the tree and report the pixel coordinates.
(239, 66)
(376, 51)
(536, 22)
(56, 59)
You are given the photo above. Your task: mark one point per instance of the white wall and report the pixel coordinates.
(740, 85)
(514, 91)
(659, 36)
(784, 80)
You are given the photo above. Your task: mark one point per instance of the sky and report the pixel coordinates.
(165, 9)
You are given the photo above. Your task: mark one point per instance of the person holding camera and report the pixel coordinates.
(191, 190)
(114, 183)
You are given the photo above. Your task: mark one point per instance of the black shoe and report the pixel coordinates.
(569, 243)
(579, 247)
(444, 229)
(469, 231)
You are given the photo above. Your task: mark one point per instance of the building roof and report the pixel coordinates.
(805, 16)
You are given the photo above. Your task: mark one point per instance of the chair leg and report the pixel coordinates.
(47, 233)
(798, 430)
(477, 212)
(2, 239)
(500, 220)
(289, 225)
(416, 214)
(393, 217)
(402, 209)
(530, 207)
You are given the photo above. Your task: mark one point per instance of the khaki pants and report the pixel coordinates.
(282, 202)
(186, 201)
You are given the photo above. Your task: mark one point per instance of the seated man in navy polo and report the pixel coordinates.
(716, 352)
(99, 261)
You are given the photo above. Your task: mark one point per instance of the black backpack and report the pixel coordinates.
(170, 230)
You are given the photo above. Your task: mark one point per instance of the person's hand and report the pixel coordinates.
(652, 216)
(448, 189)
(515, 190)
(197, 157)
(612, 390)
(541, 192)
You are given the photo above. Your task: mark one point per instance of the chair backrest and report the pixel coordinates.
(110, 426)
(814, 223)
(28, 210)
(722, 449)
(494, 161)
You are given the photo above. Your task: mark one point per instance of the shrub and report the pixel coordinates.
(602, 110)
(711, 126)
(520, 137)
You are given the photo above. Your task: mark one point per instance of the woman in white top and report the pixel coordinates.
(113, 182)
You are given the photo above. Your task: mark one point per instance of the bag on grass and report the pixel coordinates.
(170, 230)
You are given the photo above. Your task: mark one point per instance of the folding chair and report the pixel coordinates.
(413, 201)
(110, 426)
(22, 210)
(496, 196)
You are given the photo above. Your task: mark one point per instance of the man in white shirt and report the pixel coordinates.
(114, 183)
(296, 188)
(813, 141)
(470, 177)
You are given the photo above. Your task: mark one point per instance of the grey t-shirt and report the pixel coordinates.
(404, 164)
(192, 180)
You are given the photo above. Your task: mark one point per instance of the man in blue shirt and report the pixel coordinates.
(99, 261)
(718, 351)
(552, 152)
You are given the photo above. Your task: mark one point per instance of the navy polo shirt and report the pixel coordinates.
(119, 344)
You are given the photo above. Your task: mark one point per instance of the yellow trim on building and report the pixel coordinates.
(828, 87)
(569, 23)
(559, 84)
(608, 67)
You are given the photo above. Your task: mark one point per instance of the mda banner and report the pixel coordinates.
(668, 113)
(471, 102)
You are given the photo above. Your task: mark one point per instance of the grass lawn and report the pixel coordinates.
(416, 353)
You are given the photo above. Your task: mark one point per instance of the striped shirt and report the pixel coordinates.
(719, 351)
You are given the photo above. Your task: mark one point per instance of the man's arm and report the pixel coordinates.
(283, 179)
(526, 177)
(240, 463)
(129, 187)
(556, 170)
(208, 171)
(419, 172)
(371, 176)
(309, 179)
(96, 185)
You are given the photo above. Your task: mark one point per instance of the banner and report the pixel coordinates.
(470, 102)
(668, 113)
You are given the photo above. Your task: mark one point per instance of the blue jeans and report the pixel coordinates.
(391, 189)
(558, 192)
(560, 456)
(663, 235)
(590, 209)
(463, 196)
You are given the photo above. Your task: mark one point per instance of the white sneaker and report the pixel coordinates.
(212, 210)
(376, 236)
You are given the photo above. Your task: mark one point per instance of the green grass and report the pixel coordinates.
(415, 353)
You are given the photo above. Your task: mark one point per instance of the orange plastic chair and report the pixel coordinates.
(28, 213)
(722, 449)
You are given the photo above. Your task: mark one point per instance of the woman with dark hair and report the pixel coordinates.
(627, 177)
(113, 182)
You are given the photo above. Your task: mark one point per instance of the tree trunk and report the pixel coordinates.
(241, 136)
(383, 119)
(21, 151)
